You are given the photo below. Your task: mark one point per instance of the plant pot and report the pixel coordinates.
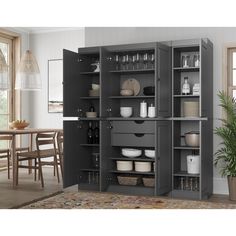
(232, 188)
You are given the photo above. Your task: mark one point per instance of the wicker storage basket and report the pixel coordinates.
(148, 182)
(128, 180)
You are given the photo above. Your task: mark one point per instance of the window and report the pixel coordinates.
(232, 72)
(6, 97)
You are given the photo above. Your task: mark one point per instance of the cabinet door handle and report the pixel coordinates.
(139, 135)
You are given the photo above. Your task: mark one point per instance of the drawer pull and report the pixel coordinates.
(139, 135)
(139, 121)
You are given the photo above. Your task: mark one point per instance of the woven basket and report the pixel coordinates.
(128, 180)
(148, 182)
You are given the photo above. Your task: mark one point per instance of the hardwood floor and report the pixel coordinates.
(28, 190)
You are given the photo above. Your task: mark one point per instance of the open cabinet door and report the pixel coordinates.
(163, 161)
(163, 80)
(71, 80)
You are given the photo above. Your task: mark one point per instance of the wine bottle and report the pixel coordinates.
(92, 109)
(90, 134)
(96, 133)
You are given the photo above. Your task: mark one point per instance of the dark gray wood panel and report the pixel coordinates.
(71, 153)
(132, 140)
(133, 127)
(163, 80)
(163, 159)
(71, 83)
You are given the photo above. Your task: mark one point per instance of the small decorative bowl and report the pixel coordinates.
(18, 125)
(94, 93)
(91, 114)
(95, 86)
(126, 92)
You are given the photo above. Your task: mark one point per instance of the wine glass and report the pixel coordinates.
(126, 61)
(145, 60)
(137, 61)
(123, 62)
(134, 59)
(117, 61)
(152, 60)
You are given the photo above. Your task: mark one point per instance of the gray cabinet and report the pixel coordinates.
(151, 64)
(194, 184)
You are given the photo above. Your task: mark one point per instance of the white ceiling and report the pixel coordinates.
(39, 30)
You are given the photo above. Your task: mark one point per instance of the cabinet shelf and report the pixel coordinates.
(186, 148)
(90, 170)
(85, 118)
(185, 174)
(131, 97)
(133, 159)
(89, 73)
(137, 190)
(185, 194)
(186, 96)
(186, 69)
(133, 71)
(132, 172)
(87, 186)
(90, 98)
(134, 118)
(89, 145)
(189, 118)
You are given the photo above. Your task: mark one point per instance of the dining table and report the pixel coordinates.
(16, 132)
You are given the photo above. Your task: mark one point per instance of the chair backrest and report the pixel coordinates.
(60, 140)
(46, 141)
(6, 138)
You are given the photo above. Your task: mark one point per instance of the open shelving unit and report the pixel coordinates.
(184, 184)
(163, 133)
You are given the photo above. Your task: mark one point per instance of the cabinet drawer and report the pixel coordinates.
(133, 126)
(133, 140)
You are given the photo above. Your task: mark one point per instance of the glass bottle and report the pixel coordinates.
(90, 134)
(96, 133)
(186, 87)
(92, 109)
(186, 186)
(181, 183)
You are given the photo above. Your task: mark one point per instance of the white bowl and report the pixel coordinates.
(124, 165)
(91, 114)
(142, 166)
(149, 153)
(126, 92)
(129, 152)
(95, 86)
(126, 112)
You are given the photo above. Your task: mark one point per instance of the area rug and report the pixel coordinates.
(93, 200)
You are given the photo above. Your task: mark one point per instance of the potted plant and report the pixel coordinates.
(226, 154)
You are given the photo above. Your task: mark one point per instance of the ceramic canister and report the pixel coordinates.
(143, 109)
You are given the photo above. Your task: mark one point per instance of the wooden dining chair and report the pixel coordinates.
(46, 148)
(60, 152)
(5, 153)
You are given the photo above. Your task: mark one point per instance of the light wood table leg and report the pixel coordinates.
(14, 160)
(30, 149)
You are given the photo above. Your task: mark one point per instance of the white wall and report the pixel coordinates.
(47, 46)
(219, 37)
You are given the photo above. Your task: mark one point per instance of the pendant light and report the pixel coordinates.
(4, 75)
(28, 74)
